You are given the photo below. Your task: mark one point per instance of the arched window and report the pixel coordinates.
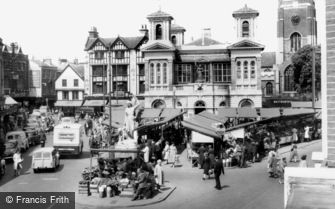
(245, 29)
(158, 73)
(164, 73)
(158, 103)
(245, 70)
(174, 39)
(288, 79)
(238, 70)
(268, 89)
(295, 42)
(199, 106)
(252, 70)
(158, 32)
(152, 74)
(246, 103)
(222, 104)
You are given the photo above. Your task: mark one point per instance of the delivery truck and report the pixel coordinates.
(68, 138)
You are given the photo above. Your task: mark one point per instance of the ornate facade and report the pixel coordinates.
(203, 74)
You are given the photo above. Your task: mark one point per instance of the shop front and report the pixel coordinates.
(69, 107)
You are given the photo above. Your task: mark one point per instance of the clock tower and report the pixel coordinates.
(296, 27)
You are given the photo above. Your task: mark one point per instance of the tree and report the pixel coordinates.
(302, 62)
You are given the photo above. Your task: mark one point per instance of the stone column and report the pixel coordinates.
(147, 75)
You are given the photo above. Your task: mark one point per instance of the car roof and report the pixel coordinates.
(45, 149)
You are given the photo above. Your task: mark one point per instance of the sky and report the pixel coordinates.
(59, 28)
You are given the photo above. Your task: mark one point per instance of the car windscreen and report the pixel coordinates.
(46, 155)
(37, 155)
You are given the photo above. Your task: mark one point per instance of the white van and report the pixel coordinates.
(68, 138)
(20, 137)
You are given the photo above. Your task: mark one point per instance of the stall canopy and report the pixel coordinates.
(157, 117)
(228, 112)
(200, 138)
(204, 123)
(94, 103)
(9, 100)
(68, 103)
(246, 113)
(269, 112)
(211, 116)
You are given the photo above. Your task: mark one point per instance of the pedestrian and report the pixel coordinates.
(306, 136)
(146, 151)
(218, 169)
(294, 136)
(303, 162)
(211, 155)
(294, 153)
(271, 164)
(172, 154)
(159, 174)
(201, 152)
(281, 169)
(166, 152)
(207, 167)
(17, 158)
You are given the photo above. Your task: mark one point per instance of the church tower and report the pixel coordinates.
(245, 23)
(296, 27)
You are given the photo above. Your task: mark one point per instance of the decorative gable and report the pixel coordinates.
(119, 45)
(98, 46)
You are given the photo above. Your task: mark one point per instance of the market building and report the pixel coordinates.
(42, 76)
(70, 89)
(203, 74)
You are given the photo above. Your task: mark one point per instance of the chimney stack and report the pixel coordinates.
(1, 45)
(75, 61)
(206, 33)
(14, 47)
(144, 31)
(93, 33)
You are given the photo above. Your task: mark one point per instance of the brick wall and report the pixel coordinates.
(330, 33)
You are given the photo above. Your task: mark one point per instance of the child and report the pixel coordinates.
(281, 168)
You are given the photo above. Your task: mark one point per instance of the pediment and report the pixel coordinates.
(158, 46)
(246, 44)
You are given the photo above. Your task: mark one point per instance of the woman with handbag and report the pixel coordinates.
(17, 162)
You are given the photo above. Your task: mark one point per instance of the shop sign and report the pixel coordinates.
(281, 103)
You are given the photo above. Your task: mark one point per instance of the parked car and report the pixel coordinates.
(11, 147)
(34, 136)
(20, 137)
(45, 158)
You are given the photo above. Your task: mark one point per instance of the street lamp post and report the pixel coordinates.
(110, 90)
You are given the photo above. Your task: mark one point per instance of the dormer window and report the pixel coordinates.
(245, 29)
(158, 32)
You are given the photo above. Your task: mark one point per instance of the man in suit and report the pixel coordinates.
(218, 168)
